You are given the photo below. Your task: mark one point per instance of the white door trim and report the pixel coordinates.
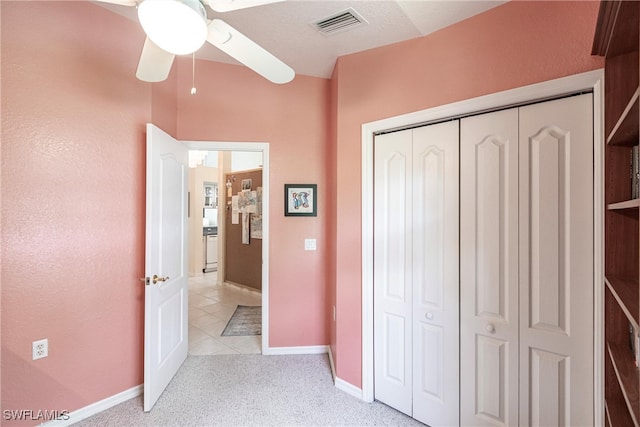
(592, 80)
(262, 147)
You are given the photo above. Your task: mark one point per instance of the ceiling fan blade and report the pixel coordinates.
(229, 5)
(246, 51)
(155, 63)
(120, 2)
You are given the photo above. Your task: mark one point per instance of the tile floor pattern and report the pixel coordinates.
(210, 308)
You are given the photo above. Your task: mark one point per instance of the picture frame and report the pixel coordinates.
(300, 199)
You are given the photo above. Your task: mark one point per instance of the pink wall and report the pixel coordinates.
(73, 171)
(235, 104)
(72, 179)
(73, 156)
(164, 111)
(512, 45)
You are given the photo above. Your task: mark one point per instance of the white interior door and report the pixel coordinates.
(166, 315)
(416, 284)
(556, 262)
(393, 287)
(435, 233)
(489, 269)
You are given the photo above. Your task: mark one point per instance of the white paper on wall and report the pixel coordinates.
(245, 228)
(256, 226)
(235, 211)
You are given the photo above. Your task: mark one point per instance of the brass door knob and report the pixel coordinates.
(157, 279)
(147, 280)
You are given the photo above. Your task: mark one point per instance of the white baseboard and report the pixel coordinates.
(97, 407)
(348, 388)
(311, 349)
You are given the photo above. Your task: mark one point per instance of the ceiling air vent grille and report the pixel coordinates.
(346, 20)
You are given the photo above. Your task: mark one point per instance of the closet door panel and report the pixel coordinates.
(392, 270)
(489, 269)
(436, 274)
(549, 379)
(556, 261)
(548, 169)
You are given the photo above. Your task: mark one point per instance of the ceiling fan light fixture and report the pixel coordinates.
(176, 26)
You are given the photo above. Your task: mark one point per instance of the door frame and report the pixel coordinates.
(262, 147)
(588, 81)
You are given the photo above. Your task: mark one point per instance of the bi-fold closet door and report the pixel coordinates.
(510, 340)
(416, 271)
(526, 257)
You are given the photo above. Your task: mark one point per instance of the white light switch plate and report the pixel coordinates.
(309, 244)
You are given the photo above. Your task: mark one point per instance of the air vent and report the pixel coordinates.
(346, 20)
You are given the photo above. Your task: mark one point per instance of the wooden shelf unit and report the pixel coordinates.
(617, 38)
(627, 204)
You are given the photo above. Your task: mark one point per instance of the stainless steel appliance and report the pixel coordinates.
(210, 245)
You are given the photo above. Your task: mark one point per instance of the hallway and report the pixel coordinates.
(211, 305)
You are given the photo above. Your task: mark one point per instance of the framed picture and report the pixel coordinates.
(300, 199)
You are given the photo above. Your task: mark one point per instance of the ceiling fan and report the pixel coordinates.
(180, 27)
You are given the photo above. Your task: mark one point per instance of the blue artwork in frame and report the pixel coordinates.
(300, 199)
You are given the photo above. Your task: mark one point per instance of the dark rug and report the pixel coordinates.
(246, 320)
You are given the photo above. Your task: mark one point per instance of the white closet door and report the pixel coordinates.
(435, 232)
(489, 269)
(392, 270)
(556, 263)
(416, 280)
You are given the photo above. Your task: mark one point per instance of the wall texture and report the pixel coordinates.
(513, 45)
(73, 155)
(73, 150)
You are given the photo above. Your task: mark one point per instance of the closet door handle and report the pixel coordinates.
(490, 328)
(429, 316)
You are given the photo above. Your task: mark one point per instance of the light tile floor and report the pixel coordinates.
(210, 308)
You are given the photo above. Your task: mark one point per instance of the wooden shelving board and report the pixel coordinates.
(627, 295)
(625, 131)
(627, 204)
(627, 374)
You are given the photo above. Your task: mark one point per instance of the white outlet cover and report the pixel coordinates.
(309, 244)
(40, 349)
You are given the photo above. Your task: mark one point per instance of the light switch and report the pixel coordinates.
(309, 244)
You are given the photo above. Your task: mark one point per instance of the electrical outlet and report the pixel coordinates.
(40, 349)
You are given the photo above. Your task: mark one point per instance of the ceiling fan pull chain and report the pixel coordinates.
(193, 74)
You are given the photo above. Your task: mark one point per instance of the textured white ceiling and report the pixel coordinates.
(285, 28)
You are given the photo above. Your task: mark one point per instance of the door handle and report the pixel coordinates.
(490, 328)
(155, 279)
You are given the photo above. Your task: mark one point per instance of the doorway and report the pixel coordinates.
(241, 295)
(215, 293)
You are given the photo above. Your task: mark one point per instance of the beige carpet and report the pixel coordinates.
(252, 390)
